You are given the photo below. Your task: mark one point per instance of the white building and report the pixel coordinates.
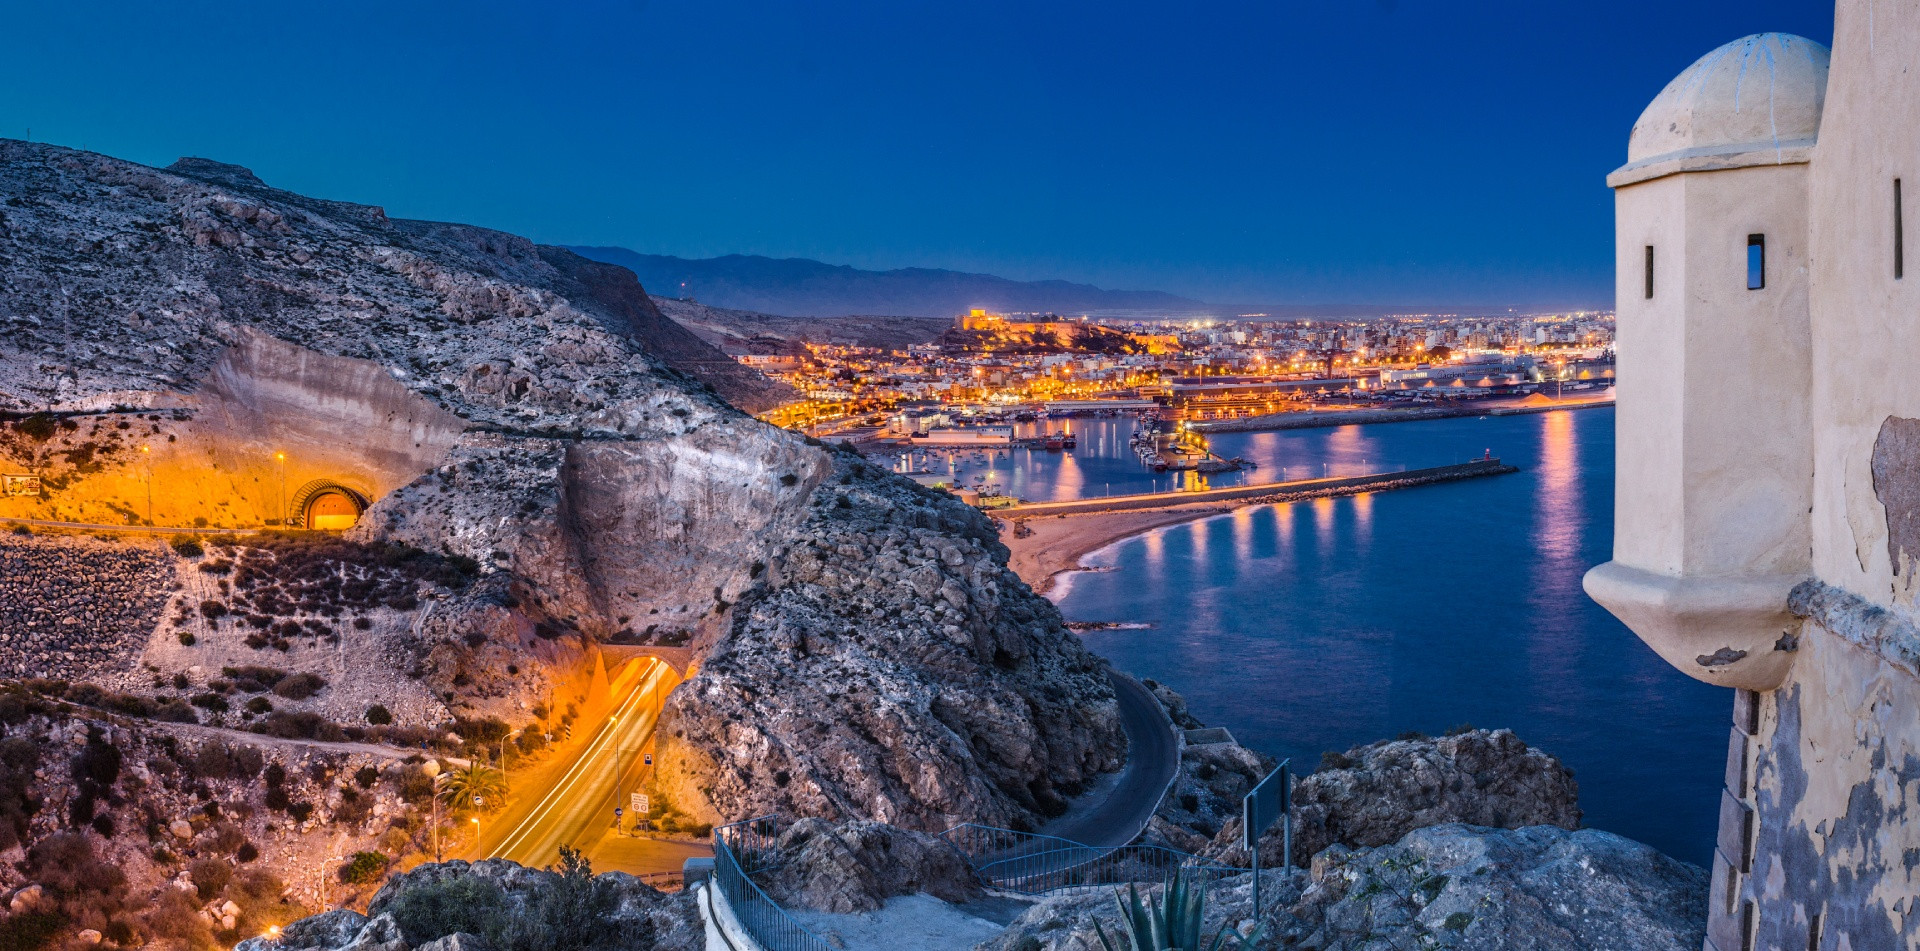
(1767, 520)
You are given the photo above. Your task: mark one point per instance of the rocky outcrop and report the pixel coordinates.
(856, 866)
(1372, 795)
(1534, 889)
(892, 669)
(1453, 886)
(497, 905)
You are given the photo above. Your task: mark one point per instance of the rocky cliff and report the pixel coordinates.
(891, 668)
(541, 464)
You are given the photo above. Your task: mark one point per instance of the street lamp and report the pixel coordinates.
(281, 507)
(146, 457)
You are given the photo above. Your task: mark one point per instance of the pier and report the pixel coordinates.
(1304, 488)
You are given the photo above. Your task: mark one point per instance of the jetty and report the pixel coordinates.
(1339, 485)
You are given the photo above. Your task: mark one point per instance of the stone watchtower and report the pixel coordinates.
(1767, 512)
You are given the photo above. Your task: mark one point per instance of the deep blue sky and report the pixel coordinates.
(1389, 151)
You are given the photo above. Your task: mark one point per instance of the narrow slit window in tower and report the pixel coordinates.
(1649, 270)
(1756, 261)
(1899, 235)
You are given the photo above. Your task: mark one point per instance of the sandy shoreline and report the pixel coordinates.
(1059, 542)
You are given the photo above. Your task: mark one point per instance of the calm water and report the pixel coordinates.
(1104, 462)
(1316, 626)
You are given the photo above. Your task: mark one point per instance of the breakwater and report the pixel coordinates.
(1315, 419)
(1267, 492)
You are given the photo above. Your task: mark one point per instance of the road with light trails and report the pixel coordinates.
(570, 802)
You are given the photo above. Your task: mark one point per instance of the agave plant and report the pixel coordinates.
(1173, 923)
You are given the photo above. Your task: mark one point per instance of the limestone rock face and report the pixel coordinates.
(857, 866)
(1450, 886)
(1385, 790)
(892, 669)
(1530, 889)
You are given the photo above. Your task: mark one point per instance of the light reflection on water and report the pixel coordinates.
(1104, 462)
(1316, 626)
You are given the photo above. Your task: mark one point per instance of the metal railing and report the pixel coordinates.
(743, 849)
(1034, 864)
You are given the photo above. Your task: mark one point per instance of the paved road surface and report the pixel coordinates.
(572, 801)
(1112, 813)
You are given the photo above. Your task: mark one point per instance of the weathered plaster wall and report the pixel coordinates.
(1865, 333)
(1820, 830)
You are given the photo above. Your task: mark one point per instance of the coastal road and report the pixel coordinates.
(572, 801)
(1114, 812)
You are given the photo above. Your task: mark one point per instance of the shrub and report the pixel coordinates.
(463, 903)
(213, 610)
(39, 427)
(300, 686)
(364, 868)
(378, 715)
(187, 546)
(29, 931)
(247, 852)
(1333, 760)
(186, 638)
(209, 876)
(210, 701)
(366, 777)
(259, 705)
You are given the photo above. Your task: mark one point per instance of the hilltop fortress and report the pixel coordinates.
(1768, 511)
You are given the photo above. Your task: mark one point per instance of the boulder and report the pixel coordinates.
(1375, 794)
(27, 899)
(381, 933)
(181, 829)
(458, 941)
(856, 866)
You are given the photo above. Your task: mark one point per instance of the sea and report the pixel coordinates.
(1315, 626)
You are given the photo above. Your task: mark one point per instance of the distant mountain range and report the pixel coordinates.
(797, 287)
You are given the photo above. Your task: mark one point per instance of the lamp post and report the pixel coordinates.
(437, 777)
(146, 457)
(280, 458)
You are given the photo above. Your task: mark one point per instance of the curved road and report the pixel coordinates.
(1115, 811)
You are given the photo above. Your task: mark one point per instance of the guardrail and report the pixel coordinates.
(1033, 864)
(743, 849)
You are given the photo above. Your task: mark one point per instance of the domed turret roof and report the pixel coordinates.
(1763, 92)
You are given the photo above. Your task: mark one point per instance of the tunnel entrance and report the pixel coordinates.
(332, 511)
(327, 506)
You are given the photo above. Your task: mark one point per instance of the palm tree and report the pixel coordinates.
(476, 787)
